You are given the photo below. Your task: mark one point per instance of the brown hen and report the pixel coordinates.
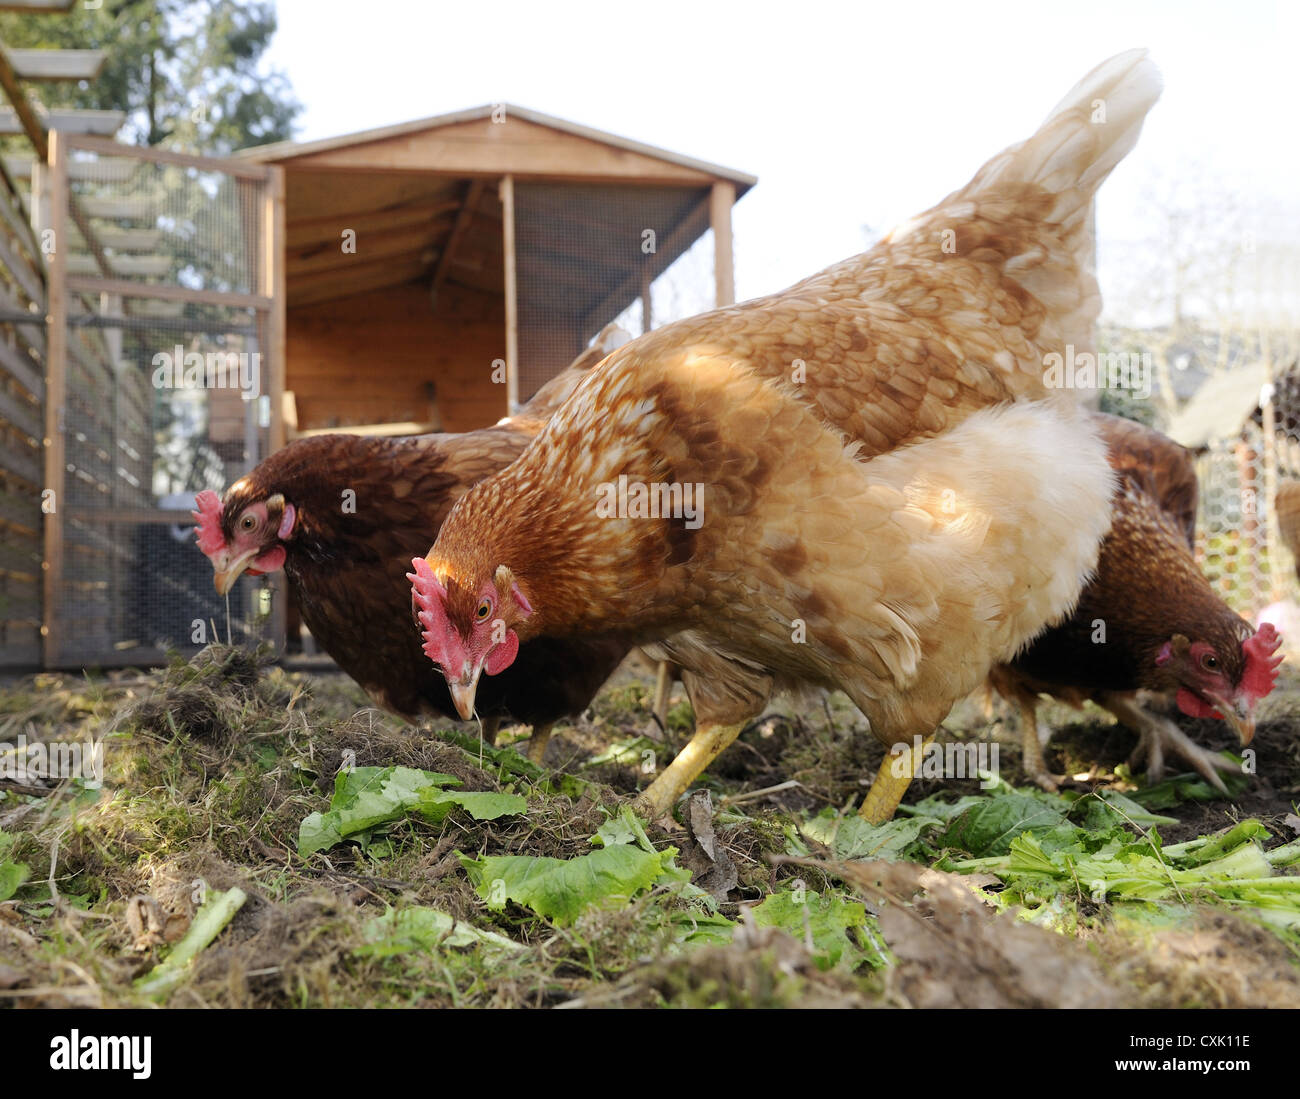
(342, 515)
(859, 482)
(1148, 620)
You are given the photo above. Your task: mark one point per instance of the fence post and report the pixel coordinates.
(511, 293)
(273, 245)
(55, 385)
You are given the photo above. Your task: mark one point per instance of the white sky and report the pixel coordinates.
(851, 115)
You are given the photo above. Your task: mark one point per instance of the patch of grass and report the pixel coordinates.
(211, 766)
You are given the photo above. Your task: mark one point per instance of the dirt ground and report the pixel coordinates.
(212, 765)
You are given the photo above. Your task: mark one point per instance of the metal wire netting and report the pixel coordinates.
(138, 447)
(164, 398)
(163, 223)
(587, 255)
(22, 354)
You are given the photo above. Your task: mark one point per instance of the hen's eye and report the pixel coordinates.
(1210, 662)
(484, 609)
(248, 522)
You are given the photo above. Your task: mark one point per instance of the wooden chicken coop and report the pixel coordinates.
(420, 277)
(436, 273)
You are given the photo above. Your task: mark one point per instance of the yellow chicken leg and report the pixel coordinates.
(538, 741)
(663, 688)
(658, 799)
(892, 781)
(1033, 735)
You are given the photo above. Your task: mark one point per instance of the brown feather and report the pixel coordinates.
(346, 566)
(1147, 586)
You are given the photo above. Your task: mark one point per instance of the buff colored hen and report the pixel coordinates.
(890, 499)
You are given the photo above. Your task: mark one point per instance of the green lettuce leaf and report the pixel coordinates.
(561, 890)
(825, 919)
(367, 797)
(401, 931)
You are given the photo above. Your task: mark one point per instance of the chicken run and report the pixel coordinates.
(928, 703)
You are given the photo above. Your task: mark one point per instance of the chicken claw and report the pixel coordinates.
(1156, 735)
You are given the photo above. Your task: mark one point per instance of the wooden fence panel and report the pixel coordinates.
(23, 282)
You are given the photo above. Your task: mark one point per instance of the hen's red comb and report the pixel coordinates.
(427, 598)
(1261, 665)
(210, 538)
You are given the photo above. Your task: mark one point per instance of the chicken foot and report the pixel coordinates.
(892, 781)
(663, 689)
(490, 729)
(1158, 734)
(1034, 735)
(709, 742)
(538, 741)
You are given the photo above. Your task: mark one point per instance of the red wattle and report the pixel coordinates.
(1193, 706)
(271, 561)
(503, 655)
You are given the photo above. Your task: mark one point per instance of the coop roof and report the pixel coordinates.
(497, 140)
(1220, 408)
(424, 195)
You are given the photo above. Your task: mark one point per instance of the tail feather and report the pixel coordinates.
(1030, 207)
(1083, 138)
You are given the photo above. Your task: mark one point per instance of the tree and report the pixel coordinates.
(1208, 287)
(189, 73)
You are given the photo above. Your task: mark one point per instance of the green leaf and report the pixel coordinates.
(318, 832)
(623, 751)
(624, 828)
(1171, 792)
(562, 889)
(1286, 855)
(1027, 857)
(826, 919)
(209, 921)
(851, 837)
(367, 797)
(12, 874)
(702, 929)
(936, 806)
(435, 805)
(424, 929)
(988, 827)
(1108, 809)
(1208, 848)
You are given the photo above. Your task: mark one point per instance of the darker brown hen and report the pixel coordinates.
(1148, 620)
(344, 514)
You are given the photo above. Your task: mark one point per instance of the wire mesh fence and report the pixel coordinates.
(587, 255)
(1240, 544)
(1237, 538)
(166, 394)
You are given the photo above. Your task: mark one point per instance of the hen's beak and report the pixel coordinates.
(462, 694)
(1240, 715)
(226, 570)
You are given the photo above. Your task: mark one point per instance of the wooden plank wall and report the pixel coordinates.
(22, 391)
(367, 359)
